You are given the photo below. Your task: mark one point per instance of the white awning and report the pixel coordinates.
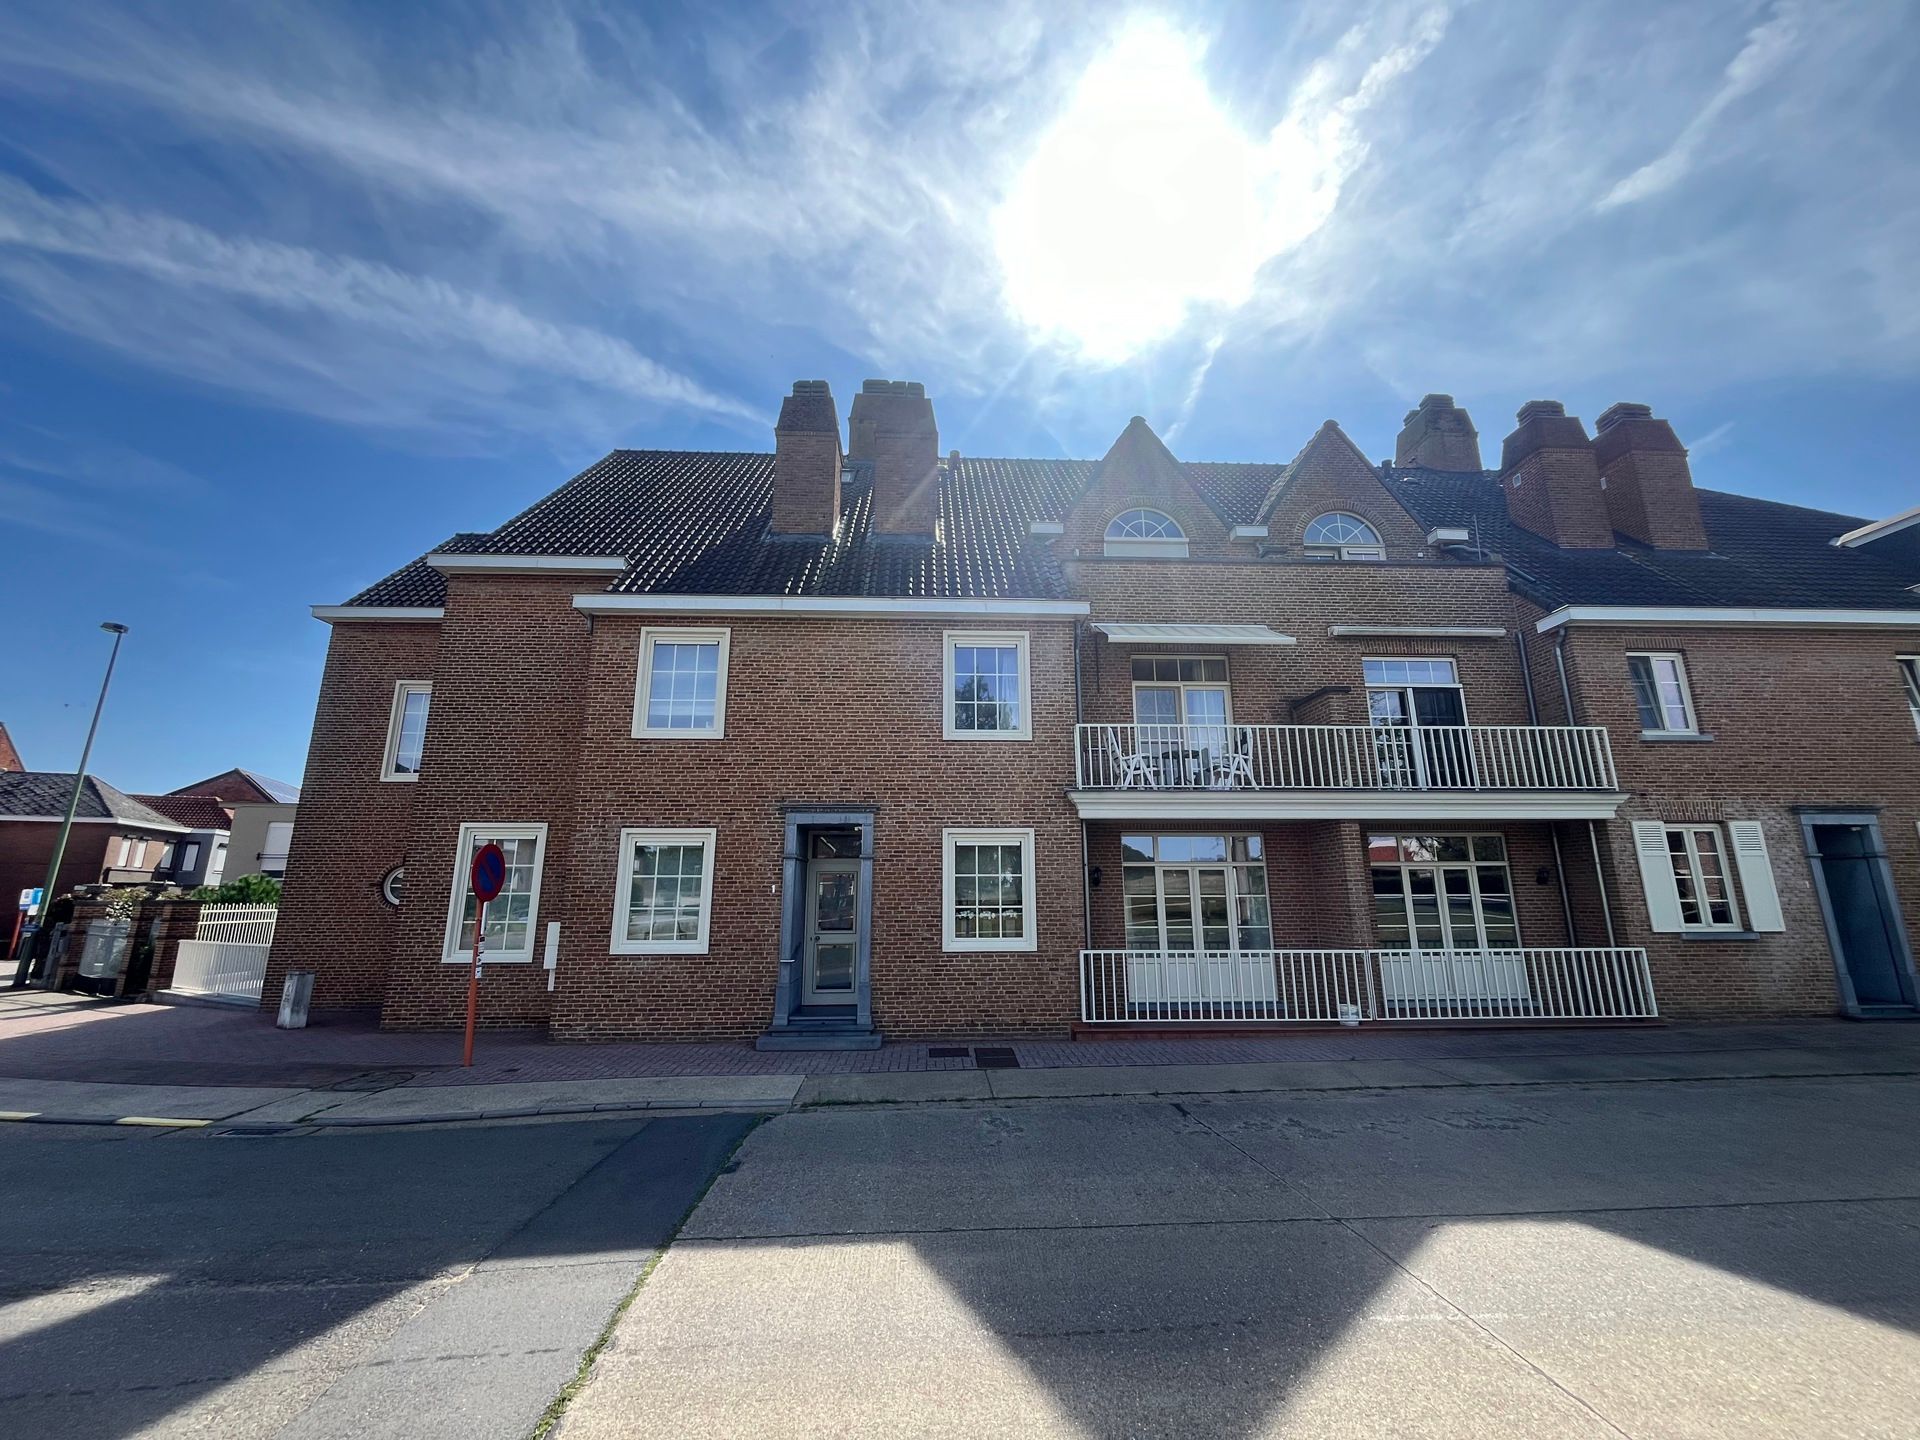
(1154, 634)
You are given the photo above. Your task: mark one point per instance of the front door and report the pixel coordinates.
(1861, 914)
(833, 932)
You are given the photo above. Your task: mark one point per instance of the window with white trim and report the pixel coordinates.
(1196, 892)
(987, 686)
(1910, 676)
(126, 853)
(512, 914)
(1698, 854)
(1661, 694)
(681, 689)
(663, 894)
(1340, 536)
(988, 890)
(407, 730)
(1443, 892)
(189, 855)
(393, 886)
(1143, 533)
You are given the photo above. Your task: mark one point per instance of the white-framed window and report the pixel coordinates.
(1340, 536)
(680, 692)
(406, 730)
(1143, 533)
(1661, 694)
(987, 686)
(1443, 892)
(1698, 855)
(1196, 892)
(189, 854)
(393, 886)
(663, 894)
(512, 914)
(126, 853)
(987, 899)
(1910, 676)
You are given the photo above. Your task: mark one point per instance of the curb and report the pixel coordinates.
(356, 1122)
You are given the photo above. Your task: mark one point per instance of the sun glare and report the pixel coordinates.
(1143, 201)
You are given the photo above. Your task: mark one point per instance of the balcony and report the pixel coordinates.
(1355, 987)
(1207, 772)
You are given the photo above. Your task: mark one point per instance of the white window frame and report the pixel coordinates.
(1686, 690)
(451, 952)
(1375, 549)
(395, 715)
(1164, 547)
(1183, 686)
(1471, 865)
(126, 853)
(651, 635)
(618, 944)
(1724, 842)
(396, 876)
(988, 835)
(1234, 895)
(952, 640)
(190, 854)
(1910, 677)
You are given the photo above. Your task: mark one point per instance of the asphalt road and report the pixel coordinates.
(1693, 1259)
(418, 1283)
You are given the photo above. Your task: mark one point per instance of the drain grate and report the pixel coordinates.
(947, 1052)
(995, 1057)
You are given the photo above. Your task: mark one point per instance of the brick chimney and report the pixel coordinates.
(892, 425)
(806, 462)
(1439, 435)
(1552, 481)
(1647, 482)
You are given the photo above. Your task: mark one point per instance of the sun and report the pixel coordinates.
(1143, 201)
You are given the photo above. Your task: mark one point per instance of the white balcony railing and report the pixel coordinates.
(1354, 986)
(1343, 757)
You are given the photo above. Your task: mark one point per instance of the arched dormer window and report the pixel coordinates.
(1141, 532)
(1340, 536)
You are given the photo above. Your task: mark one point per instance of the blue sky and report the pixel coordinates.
(288, 294)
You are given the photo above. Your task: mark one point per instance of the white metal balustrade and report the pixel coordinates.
(1344, 757)
(227, 958)
(1355, 986)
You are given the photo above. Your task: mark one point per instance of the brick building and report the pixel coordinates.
(818, 744)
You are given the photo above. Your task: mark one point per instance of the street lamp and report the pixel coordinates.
(117, 630)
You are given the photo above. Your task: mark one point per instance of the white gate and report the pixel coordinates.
(227, 957)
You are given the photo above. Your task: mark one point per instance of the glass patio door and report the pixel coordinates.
(1444, 912)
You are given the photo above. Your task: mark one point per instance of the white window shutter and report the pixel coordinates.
(1756, 875)
(1656, 875)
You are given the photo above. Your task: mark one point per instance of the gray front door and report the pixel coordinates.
(833, 932)
(1860, 913)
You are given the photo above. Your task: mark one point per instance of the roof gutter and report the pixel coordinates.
(846, 607)
(1667, 615)
(342, 614)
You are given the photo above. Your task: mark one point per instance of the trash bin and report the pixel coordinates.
(295, 996)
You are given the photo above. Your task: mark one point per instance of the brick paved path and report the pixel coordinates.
(71, 1037)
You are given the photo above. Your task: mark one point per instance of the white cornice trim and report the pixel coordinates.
(337, 614)
(1249, 532)
(1879, 529)
(1725, 616)
(130, 824)
(848, 606)
(528, 564)
(1345, 805)
(1450, 632)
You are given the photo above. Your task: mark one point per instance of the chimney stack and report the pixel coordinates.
(1552, 481)
(1439, 435)
(1646, 479)
(892, 425)
(806, 462)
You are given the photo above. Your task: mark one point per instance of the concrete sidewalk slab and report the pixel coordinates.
(905, 1087)
(84, 1100)
(678, 1092)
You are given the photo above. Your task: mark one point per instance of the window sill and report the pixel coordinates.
(1677, 737)
(664, 951)
(401, 779)
(1698, 935)
(679, 734)
(988, 735)
(486, 959)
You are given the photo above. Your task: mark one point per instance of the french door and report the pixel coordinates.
(1419, 715)
(1198, 918)
(1181, 706)
(1444, 911)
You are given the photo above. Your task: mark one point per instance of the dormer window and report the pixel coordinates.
(1340, 536)
(1142, 533)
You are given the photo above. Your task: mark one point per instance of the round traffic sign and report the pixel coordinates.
(489, 871)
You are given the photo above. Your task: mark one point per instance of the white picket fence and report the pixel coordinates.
(227, 957)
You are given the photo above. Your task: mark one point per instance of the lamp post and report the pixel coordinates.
(117, 630)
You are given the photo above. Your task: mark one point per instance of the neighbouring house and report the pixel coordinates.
(198, 856)
(851, 738)
(115, 840)
(262, 836)
(243, 787)
(9, 757)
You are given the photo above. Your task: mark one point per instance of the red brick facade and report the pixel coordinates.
(533, 714)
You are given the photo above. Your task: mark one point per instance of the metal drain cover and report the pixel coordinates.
(995, 1057)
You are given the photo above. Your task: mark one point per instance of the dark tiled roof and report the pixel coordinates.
(418, 585)
(1764, 555)
(197, 812)
(46, 792)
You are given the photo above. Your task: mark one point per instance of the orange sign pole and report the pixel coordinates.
(473, 978)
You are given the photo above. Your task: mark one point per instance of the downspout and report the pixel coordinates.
(1593, 833)
(1553, 827)
(1086, 852)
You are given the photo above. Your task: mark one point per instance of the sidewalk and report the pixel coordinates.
(74, 1059)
